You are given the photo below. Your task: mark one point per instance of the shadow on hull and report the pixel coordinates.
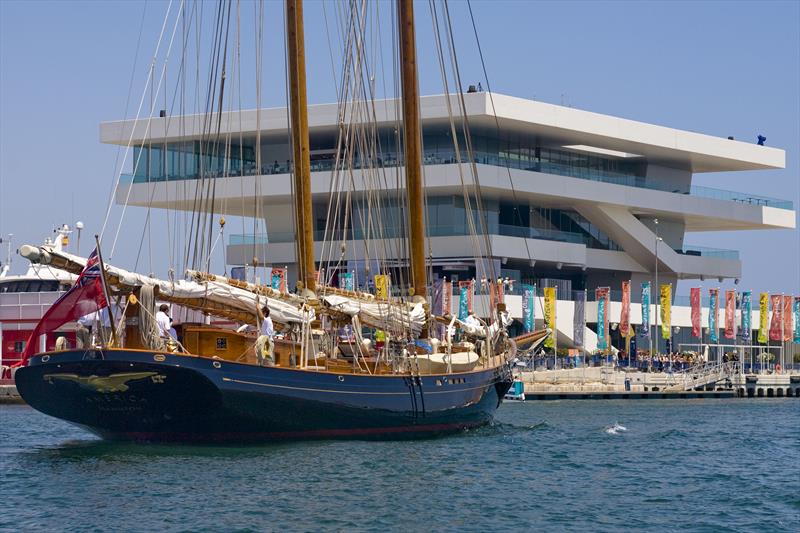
(141, 396)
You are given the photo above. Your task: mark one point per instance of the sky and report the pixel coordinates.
(720, 68)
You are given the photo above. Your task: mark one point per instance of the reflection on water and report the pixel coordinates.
(593, 465)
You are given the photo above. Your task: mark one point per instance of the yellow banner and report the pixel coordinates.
(382, 286)
(666, 310)
(550, 315)
(763, 317)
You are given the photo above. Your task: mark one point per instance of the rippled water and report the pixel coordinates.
(697, 465)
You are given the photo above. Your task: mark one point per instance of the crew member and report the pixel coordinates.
(264, 344)
(163, 321)
(472, 320)
(83, 335)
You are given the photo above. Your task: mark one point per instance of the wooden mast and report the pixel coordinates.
(295, 42)
(412, 143)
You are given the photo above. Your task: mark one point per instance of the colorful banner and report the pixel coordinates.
(382, 286)
(797, 319)
(625, 312)
(666, 311)
(496, 293)
(579, 318)
(437, 295)
(528, 304)
(763, 317)
(346, 281)
(465, 299)
(645, 331)
(447, 298)
(747, 309)
(602, 318)
(787, 318)
(730, 314)
(279, 280)
(694, 300)
(713, 315)
(776, 323)
(550, 315)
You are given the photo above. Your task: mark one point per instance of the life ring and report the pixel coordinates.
(778, 368)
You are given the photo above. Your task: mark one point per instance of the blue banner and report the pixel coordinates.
(645, 309)
(713, 308)
(528, 307)
(797, 319)
(747, 307)
(601, 324)
(463, 303)
(346, 281)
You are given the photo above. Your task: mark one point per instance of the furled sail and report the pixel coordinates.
(214, 297)
(396, 318)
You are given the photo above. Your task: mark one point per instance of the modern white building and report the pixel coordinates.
(570, 198)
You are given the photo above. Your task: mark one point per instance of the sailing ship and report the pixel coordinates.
(434, 374)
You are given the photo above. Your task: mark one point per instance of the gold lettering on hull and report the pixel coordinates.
(105, 384)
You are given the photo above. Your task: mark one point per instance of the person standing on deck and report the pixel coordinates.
(163, 321)
(83, 335)
(264, 344)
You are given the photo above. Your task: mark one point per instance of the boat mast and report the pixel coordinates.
(412, 143)
(298, 106)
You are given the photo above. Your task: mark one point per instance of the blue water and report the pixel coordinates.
(691, 465)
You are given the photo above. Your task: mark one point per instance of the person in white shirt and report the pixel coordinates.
(264, 344)
(163, 321)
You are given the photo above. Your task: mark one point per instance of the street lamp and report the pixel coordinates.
(657, 297)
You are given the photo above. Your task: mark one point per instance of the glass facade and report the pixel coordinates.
(195, 159)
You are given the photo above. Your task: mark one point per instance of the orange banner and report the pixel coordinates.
(730, 314)
(625, 313)
(776, 323)
(694, 300)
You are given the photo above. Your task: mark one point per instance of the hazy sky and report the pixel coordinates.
(721, 68)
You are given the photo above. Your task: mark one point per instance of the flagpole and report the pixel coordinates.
(105, 292)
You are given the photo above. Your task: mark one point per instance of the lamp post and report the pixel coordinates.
(657, 296)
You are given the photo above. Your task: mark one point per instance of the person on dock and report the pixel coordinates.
(265, 345)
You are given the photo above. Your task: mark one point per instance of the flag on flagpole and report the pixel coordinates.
(83, 298)
(730, 314)
(646, 309)
(666, 311)
(465, 299)
(713, 315)
(777, 318)
(579, 319)
(600, 294)
(694, 299)
(797, 319)
(550, 315)
(528, 307)
(747, 304)
(625, 312)
(763, 317)
(787, 318)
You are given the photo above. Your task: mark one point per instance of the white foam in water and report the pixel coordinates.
(615, 429)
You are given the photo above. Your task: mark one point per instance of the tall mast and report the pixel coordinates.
(412, 142)
(295, 42)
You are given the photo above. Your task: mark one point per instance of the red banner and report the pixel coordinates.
(787, 318)
(730, 314)
(447, 297)
(694, 299)
(625, 313)
(776, 323)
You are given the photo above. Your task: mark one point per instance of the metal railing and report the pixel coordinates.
(702, 375)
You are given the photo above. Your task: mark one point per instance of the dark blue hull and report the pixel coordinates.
(139, 395)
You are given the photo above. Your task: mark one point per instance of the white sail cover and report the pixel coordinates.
(395, 318)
